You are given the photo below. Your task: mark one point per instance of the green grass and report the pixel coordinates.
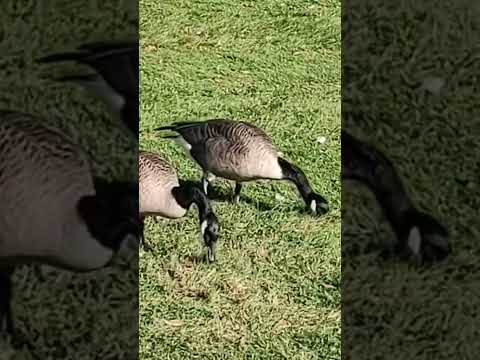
(60, 316)
(392, 311)
(275, 291)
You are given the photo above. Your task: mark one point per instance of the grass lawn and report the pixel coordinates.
(275, 291)
(63, 317)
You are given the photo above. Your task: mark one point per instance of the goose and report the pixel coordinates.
(162, 193)
(54, 211)
(241, 152)
(115, 80)
(420, 236)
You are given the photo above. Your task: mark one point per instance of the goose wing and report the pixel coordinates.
(235, 132)
(116, 61)
(232, 149)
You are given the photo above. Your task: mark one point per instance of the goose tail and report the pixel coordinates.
(181, 125)
(163, 128)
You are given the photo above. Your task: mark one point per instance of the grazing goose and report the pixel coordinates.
(239, 151)
(162, 193)
(419, 235)
(53, 212)
(115, 80)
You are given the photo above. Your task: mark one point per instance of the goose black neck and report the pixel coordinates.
(392, 198)
(187, 194)
(397, 207)
(297, 176)
(364, 163)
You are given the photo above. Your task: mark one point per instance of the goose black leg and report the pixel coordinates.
(236, 195)
(6, 321)
(146, 247)
(207, 177)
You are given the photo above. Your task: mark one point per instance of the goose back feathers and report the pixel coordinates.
(229, 149)
(157, 179)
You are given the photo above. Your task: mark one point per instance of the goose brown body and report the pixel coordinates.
(157, 179)
(53, 211)
(242, 152)
(232, 150)
(42, 177)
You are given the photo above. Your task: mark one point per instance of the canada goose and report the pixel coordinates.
(53, 211)
(419, 235)
(116, 79)
(239, 151)
(162, 193)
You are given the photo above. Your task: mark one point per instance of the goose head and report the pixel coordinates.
(424, 239)
(317, 204)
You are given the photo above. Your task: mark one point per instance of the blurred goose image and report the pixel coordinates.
(115, 80)
(162, 193)
(53, 211)
(241, 152)
(419, 235)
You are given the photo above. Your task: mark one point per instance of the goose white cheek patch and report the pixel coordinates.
(211, 177)
(117, 100)
(203, 227)
(205, 186)
(415, 240)
(181, 141)
(313, 206)
(103, 90)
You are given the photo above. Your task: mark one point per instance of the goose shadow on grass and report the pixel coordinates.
(218, 194)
